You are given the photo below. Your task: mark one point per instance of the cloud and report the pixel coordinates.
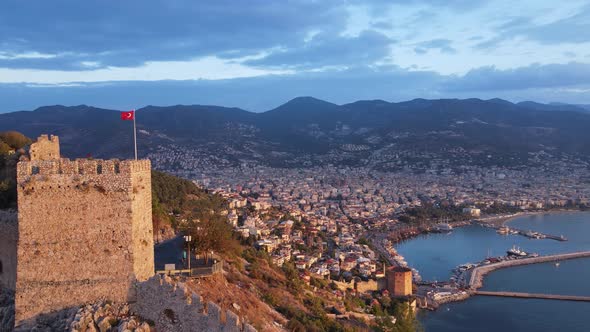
(442, 45)
(384, 25)
(572, 29)
(298, 45)
(569, 29)
(327, 50)
(210, 68)
(131, 32)
(533, 76)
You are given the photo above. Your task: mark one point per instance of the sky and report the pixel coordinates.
(258, 54)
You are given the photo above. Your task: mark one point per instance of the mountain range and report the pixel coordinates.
(307, 131)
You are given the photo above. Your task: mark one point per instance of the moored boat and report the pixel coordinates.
(515, 251)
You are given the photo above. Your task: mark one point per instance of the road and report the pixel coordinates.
(168, 252)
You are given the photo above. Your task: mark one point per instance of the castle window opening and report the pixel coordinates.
(0, 267)
(117, 170)
(35, 170)
(99, 169)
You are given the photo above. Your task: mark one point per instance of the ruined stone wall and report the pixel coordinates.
(45, 148)
(8, 241)
(362, 286)
(83, 232)
(371, 285)
(173, 307)
(343, 285)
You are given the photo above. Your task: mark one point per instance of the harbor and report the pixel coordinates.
(447, 261)
(478, 273)
(466, 277)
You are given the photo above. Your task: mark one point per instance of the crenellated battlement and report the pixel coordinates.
(45, 148)
(48, 138)
(160, 297)
(65, 166)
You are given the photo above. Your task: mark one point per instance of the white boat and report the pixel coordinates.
(503, 230)
(514, 251)
(443, 228)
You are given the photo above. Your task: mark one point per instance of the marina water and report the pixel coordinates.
(435, 255)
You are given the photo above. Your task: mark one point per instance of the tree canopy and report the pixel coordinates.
(10, 143)
(203, 213)
(14, 139)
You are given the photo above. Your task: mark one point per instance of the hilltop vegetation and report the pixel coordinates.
(11, 143)
(173, 193)
(183, 206)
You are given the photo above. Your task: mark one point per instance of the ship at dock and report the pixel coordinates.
(443, 228)
(503, 230)
(516, 251)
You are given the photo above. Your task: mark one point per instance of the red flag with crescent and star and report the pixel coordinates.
(129, 115)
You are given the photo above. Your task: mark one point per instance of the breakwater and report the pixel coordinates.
(478, 273)
(536, 296)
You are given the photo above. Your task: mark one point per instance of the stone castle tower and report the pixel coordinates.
(85, 230)
(399, 281)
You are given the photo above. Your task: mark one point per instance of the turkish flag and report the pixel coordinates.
(128, 115)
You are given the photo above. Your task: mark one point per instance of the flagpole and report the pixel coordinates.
(134, 134)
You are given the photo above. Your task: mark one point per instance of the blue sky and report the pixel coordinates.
(257, 54)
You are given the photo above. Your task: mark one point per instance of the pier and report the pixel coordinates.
(529, 234)
(538, 235)
(536, 296)
(476, 279)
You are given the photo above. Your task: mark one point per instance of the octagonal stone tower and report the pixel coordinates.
(85, 230)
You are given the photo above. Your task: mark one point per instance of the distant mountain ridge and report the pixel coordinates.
(308, 131)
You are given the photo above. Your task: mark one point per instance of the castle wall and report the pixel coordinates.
(83, 232)
(371, 285)
(362, 286)
(343, 285)
(142, 228)
(173, 307)
(45, 148)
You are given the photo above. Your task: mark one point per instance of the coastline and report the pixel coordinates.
(397, 237)
(502, 220)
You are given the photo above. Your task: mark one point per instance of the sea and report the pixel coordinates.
(435, 255)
